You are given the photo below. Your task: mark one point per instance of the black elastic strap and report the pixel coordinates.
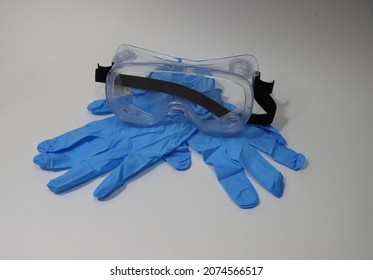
(262, 91)
(101, 73)
(175, 90)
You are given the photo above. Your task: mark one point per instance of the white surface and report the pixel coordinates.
(319, 53)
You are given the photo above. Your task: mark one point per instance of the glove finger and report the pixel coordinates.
(69, 157)
(279, 153)
(288, 157)
(229, 173)
(53, 162)
(271, 144)
(262, 137)
(268, 176)
(78, 136)
(99, 107)
(86, 170)
(131, 165)
(64, 141)
(179, 158)
(233, 179)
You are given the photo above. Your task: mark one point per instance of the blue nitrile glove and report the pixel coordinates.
(231, 156)
(109, 145)
(55, 155)
(100, 146)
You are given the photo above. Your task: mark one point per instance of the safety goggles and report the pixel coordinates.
(145, 88)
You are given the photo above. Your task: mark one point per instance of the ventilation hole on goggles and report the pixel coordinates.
(231, 119)
(241, 66)
(177, 111)
(125, 55)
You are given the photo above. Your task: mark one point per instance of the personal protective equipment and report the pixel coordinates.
(233, 156)
(163, 81)
(110, 145)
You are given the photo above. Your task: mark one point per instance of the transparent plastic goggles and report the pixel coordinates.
(146, 88)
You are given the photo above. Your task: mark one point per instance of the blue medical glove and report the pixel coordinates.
(99, 107)
(109, 145)
(56, 158)
(231, 157)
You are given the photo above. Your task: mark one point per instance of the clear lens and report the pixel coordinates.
(226, 81)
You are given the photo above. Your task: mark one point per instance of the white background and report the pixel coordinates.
(320, 53)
